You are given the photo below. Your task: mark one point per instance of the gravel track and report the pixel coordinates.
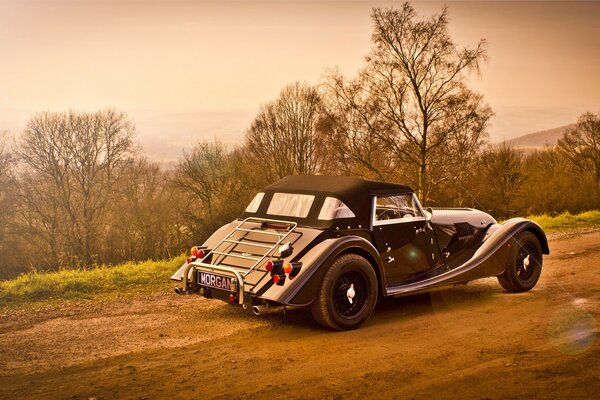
(473, 341)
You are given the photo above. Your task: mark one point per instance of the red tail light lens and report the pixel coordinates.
(231, 297)
(269, 265)
(200, 253)
(279, 280)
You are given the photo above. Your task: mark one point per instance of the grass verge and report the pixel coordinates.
(567, 221)
(153, 276)
(128, 278)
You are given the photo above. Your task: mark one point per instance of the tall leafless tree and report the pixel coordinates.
(214, 185)
(284, 137)
(351, 127)
(415, 82)
(76, 156)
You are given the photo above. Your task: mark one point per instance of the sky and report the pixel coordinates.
(195, 70)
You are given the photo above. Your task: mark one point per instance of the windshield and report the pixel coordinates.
(290, 204)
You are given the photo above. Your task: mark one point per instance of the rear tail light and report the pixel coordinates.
(269, 266)
(232, 297)
(274, 266)
(279, 280)
(198, 252)
(292, 268)
(271, 225)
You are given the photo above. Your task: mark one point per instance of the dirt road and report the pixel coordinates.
(473, 341)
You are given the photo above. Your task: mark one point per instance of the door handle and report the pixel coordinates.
(389, 259)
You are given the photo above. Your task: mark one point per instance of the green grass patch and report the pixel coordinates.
(567, 221)
(127, 278)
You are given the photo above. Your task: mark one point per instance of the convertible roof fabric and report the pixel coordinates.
(345, 186)
(355, 192)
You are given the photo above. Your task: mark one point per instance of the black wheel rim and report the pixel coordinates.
(341, 303)
(526, 262)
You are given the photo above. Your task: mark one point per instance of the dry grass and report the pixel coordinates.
(131, 277)
(567, 221)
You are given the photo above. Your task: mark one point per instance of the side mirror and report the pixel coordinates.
(428, 213)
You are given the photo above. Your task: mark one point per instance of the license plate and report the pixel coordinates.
(213, 281)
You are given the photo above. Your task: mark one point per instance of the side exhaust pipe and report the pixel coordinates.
(178, 290)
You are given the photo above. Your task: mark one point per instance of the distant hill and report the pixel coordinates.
(548, 137)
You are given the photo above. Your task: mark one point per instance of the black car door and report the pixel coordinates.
(403, 237)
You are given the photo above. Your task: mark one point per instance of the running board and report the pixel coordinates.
(398, 291)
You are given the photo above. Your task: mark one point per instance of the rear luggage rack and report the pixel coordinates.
(226, 248)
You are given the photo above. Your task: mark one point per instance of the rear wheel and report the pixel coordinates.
(347, 295)
(525, 264)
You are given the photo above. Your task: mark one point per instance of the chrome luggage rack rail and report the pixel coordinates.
(258, 259)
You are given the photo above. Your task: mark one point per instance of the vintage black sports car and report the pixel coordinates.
(336, 244)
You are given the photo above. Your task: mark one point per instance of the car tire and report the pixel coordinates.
(524, 265)
(347, 295)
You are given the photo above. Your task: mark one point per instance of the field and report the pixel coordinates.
(473, 341)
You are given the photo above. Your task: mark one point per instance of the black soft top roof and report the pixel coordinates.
(355, 192)
(338, 186)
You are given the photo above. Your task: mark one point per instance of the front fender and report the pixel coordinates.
(303, 289)
(490, 258)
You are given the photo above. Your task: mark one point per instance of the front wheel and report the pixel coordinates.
(347, 295)
(525, 264)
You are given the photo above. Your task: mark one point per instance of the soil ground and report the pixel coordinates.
(472, 341)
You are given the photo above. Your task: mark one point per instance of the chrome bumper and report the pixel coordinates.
(199, 266)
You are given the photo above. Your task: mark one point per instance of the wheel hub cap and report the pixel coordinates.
(350, 293)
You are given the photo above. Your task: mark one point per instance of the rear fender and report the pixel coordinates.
(303, 289)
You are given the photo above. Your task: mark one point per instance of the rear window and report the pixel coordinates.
(291, 205)
(334, 209)
(255, 203)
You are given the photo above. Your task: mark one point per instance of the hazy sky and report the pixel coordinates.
(168, 58)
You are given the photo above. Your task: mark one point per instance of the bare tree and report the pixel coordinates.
(284, 136)
(215, 186)
(415, 82)
(500, 180)
(143, 218)
(453, 165)
(5, 176)
(351, 127)
(581, 145)
(7, 206)
(76, 155)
